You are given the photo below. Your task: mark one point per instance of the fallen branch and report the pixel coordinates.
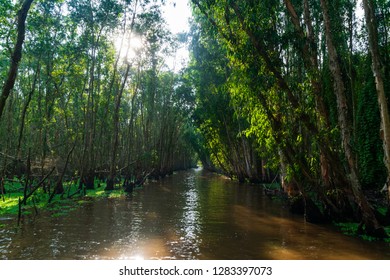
(39, 184)
(129, 187)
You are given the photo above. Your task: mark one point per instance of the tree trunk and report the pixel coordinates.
(24, 111)
(59, 188)
(307, 49)
(111, 177)
(16, 54)
(114, 145)
(380, 89)
(368, 218)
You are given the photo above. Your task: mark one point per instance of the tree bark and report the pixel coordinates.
(368, 218)
(331, 169)
(59, 188)
(16, 54)
(293, 100)
(377, 70)
(24, 111)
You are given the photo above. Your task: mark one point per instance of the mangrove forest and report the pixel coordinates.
(274, 122)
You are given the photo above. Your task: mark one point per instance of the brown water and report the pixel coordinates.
(191, 215)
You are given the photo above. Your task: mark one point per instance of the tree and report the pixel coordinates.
(378, 72)
(368, 217)
(16, 54)
(288, 62)
(118, 99)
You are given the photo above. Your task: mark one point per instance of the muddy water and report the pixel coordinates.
(191, 215)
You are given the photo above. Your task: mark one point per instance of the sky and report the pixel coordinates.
(177, 13)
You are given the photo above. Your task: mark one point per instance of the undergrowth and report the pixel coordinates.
(61, 205)
(351, 229)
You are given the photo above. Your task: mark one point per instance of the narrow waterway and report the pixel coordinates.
(190, 215)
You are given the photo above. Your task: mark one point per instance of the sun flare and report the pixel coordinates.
(128, 47)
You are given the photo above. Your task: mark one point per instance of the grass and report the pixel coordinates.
(61, 205)
(10, 204)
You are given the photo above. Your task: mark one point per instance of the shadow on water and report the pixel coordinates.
(191, 215)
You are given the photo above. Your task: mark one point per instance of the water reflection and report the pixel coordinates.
(191, 215)
(190, 224)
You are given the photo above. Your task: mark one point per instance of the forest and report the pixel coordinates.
(293, 92)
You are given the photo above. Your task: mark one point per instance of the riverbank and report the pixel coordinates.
(72, 199)
(273, 191)
(191, 215)
(60, 205)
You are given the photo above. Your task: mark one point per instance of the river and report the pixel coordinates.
(190, 215)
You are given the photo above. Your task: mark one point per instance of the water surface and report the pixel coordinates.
(190, 215)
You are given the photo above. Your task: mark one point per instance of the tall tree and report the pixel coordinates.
(118, 100)
(16, 55)
(378, 71)
(368, 217)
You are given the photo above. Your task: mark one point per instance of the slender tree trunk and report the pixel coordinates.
(111, 177)
(114, 147)
(59, 188)
(16, 54)
(131, 130)
(24, 111)
(377, 70)
(261, 50)
(368, 218)
(28, 174)
(309, 53)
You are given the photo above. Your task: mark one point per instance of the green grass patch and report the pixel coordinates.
(100, 192)
(61, 205)
(96, 193)
(10, 204)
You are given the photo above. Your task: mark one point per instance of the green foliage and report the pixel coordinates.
(369, 145)
(6, 10)
(224, 113)
(266, 78)
(351, 229)
(249, 103)
(60, 206)
(69, 83)
(10, 205)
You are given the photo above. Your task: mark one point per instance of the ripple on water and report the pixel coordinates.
(192, 215)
